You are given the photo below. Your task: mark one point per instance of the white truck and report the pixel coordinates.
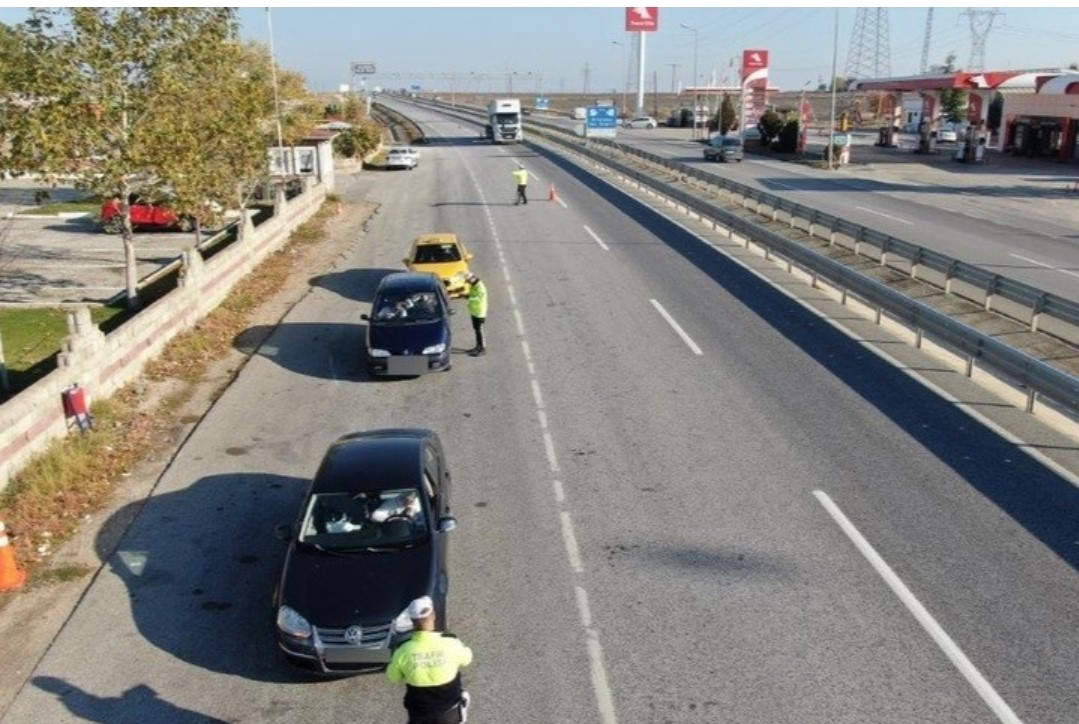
(504, 121)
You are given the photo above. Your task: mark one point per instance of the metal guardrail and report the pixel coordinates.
(1037, 377)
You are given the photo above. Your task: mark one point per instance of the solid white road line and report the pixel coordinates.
(1044, 265)
(548, 445)
(674, 325)
(537, 395)
(598, 240)
(989, 695)
(1031, 261)
(887, 216)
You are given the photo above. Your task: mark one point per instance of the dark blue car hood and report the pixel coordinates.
(335, 591)
(397, 338)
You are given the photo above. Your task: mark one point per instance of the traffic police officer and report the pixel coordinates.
(429, 664)
(477, 307)
(520, 176)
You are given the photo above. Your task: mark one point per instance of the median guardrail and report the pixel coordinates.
(1038, 379)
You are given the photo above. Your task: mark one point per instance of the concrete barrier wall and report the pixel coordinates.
(102, 364)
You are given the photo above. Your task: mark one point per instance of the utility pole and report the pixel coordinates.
(674, 68)
(584, 91)
(696, 99)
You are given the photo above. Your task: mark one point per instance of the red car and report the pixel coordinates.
(144, 215)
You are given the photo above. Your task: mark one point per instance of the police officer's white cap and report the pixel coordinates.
(421, 608)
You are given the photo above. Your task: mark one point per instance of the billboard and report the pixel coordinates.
(642, 20)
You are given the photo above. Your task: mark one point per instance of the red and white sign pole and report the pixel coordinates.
(641, 21)
(754, 77)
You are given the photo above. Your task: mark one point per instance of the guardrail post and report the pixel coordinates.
(1036, 312)
(916, 262)
(970, 365)
(991, 291)
(918, 334)
(884, 251)
(831, 236)
(843, 297)
(858, 241)
(880, 314)
(949, 274)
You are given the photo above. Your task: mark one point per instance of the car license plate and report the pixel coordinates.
(407, 365)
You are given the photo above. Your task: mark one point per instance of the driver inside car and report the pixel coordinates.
(407, 504)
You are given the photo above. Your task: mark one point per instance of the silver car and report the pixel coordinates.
(402, 157)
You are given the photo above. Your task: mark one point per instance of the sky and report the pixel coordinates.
(542, 50)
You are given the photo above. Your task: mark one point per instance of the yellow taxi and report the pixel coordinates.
(443, 255)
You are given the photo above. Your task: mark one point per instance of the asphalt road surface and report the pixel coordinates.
(1010, 224)
(681, 497)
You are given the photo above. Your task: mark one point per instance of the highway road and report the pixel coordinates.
(682, 498)
(1015, 226)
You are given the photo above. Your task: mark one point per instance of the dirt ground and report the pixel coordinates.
(31, 619)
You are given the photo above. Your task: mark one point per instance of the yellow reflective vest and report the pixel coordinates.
(428, 659)
(477, 300)
(521, 177)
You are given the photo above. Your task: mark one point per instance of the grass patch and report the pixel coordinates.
(46, 501)
(31, 340)
(62, 574)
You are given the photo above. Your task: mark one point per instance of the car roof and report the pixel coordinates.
(409, 282)
(438, 238)
(373, 460)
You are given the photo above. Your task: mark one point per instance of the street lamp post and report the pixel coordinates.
(622, 72)
(696, 100)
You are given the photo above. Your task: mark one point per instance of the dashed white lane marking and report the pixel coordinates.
(674, 325)
(989, 695)
(537, 395)
(600, 686)
(559, 493)
(599, 679)
(583, 608)
(571, 543)
(887, 216)
(552, 459)
(596, 237)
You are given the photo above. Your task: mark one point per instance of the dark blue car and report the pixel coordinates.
(408, 329)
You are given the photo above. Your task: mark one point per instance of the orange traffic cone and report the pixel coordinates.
(11, 577)
(552, 195)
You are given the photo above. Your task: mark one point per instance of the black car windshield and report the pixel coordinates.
(375, 520)
(407, 308)
(437, 253)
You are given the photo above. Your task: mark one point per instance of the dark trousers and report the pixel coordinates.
(521, 197)
(477, 327)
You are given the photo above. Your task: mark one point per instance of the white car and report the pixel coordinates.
(402, 157)
(947, 134)
(640, 122)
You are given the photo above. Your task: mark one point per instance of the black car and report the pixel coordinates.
(408, 330)
(370, 538)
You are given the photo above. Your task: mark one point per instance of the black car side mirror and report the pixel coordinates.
(364, 318)
(446, 524)
(283, 532)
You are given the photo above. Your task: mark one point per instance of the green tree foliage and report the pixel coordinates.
(93, 84)
(953, 103)
(728, 117)
(787, 140)
(769, 124)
